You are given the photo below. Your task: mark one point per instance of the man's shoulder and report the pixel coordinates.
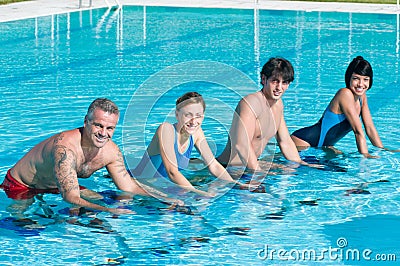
(279, 104)
(69, 139)
(248, 104)
(111, 152)
(256, 94)
(111, 146)
(68, 136)
(252, 98)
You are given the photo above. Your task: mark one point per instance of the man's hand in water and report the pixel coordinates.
(120, 211)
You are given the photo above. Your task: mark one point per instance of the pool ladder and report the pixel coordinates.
(106, 1)
(90, 3)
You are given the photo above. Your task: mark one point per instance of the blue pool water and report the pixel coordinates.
(144, 58)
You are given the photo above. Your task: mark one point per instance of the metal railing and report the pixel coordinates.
(90, 3)
(106, 1)
(116, 1)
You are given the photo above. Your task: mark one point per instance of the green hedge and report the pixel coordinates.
(3, 2)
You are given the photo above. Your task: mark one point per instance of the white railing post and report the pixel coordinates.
(90, 3)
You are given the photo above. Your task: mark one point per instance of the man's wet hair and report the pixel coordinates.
(278, 67)
(103, 104)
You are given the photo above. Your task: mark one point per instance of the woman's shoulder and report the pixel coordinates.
(343, 90)
(165, 126)
(343, 93)
(165, 129)
(342, 96)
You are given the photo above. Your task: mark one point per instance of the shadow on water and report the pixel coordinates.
(46, 217)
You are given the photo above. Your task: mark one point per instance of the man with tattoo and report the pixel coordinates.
(55, 164)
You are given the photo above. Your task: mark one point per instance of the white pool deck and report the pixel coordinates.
(37, 8)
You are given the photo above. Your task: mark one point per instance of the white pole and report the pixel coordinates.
(398, 35)
(398, 42)
(257, 38)
(144, 25)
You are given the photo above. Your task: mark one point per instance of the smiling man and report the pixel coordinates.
(259, 117)
(55, 164)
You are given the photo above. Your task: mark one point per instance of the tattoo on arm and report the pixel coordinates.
(58, 138)
(120, 165)
(65, 169)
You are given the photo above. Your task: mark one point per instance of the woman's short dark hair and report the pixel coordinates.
(359, 66)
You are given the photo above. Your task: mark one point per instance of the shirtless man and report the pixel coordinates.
(259, 117)
(55, 164)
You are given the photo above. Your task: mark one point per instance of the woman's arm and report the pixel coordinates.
(215, 168)
(166, 139)
(369, 126)
(345, 99)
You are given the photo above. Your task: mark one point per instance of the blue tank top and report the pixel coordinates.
(156, 161)
(327, 131)
(333, 127)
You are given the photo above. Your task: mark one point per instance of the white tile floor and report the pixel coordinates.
(37, 8)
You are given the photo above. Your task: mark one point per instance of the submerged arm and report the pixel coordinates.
(369, 126)
(65, 165)
(288, 147)
(120, 175)
(286, 144)
(242, 133)
(125, 182)
(213, 165)
(166, 133)
(346, 104)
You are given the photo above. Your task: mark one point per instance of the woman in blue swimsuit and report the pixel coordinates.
(343, 113)
(170, 149)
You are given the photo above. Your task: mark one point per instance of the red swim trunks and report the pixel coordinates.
(18, 191)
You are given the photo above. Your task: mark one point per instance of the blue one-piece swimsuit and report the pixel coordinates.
(146, 169)
(327, 131)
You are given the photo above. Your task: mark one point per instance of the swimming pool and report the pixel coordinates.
(53, 67)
